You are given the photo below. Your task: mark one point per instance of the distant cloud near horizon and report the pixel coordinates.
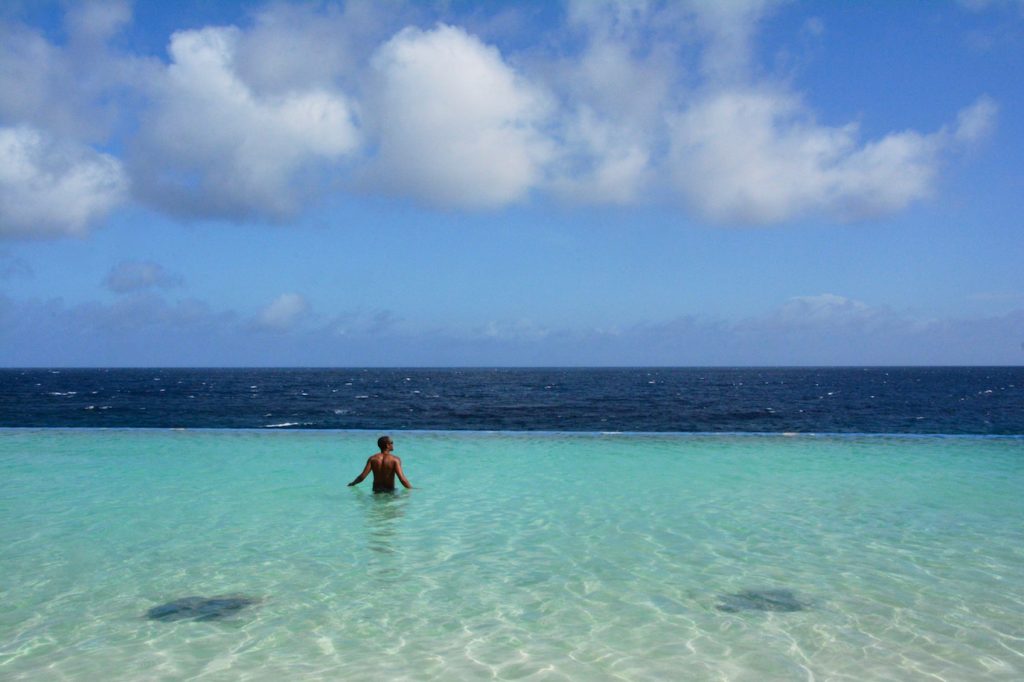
(283, 313)
(12, 266)
(823, 329)
(132, 276)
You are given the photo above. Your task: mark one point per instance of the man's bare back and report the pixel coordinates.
(385, 466)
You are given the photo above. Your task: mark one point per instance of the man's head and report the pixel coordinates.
(384, 443)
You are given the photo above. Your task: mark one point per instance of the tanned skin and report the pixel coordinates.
(385, 466)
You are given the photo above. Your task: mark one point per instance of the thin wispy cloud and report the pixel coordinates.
(132, 276)
(13, 266)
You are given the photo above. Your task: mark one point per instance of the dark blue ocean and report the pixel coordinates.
(957, 400)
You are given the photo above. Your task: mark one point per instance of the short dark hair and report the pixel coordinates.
(382, 441)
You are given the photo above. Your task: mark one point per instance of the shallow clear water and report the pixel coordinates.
(518, 556)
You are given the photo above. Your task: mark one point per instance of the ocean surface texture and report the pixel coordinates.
(518, 556)
(868, 526)
(974, 400)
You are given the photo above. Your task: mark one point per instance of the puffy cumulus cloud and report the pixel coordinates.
(758, 156)
(97, 20)
(306, 46)
(283, 313)
(54, 188)
(615, 93)
(602, 162)
(57, 105)
(32, 75)
(728, 27)
(212, 146)
(625, 102)
(455, 125)
(130, 276)
(665, 101)
(79, 89)
(628, 64)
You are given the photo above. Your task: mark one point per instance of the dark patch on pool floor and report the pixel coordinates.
(760, 600)
(200, 608)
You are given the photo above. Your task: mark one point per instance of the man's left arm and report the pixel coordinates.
(401, 474)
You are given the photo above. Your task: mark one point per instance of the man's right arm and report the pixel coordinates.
(360, 477)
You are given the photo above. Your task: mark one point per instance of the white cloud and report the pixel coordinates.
(603, 162)
(729, 145)
(54, 188)
(511, 330)
(213, 146)
(80, 89)
(729, 26)
(615, 92)
(97, 20)
(32, 72)
(129, 276)
(758, 156)
(283, 313)
(977, 121)
(300, 47)
(640, 101)
(629, 64)
(456, 125)
(832, 310)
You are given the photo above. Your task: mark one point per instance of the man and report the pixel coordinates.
(385, 466)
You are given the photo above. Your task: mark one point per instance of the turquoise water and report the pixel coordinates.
(518, 556)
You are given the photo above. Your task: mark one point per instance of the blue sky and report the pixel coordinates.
(586, 183)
